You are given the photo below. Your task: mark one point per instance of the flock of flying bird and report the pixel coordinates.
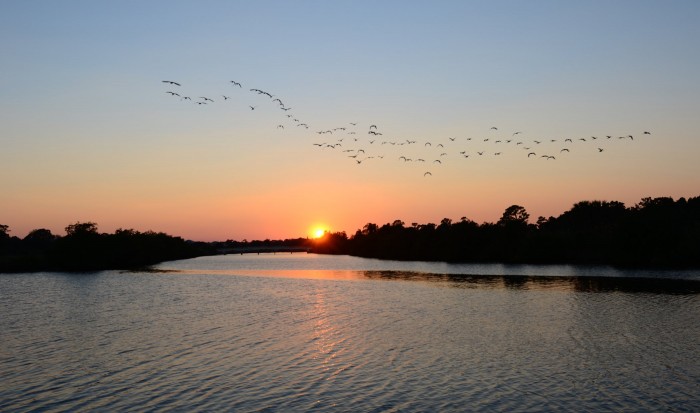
(370, 144)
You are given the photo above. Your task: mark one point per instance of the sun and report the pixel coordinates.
(319, 232)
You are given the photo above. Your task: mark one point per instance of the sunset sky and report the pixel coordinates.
(88, 132)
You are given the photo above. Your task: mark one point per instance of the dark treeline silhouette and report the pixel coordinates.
(83, 248)
(656, 232)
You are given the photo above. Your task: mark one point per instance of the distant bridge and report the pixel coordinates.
(263, 250)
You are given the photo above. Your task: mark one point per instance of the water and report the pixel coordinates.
(304, 332)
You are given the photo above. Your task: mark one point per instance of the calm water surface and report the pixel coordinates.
(304, 332)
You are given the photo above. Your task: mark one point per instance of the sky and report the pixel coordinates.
(88, 131)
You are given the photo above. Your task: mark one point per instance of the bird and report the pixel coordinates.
(280, 126)
(173, 93)
(437, 160)
(531, 153)
(252, 107)
(564, 150)
(647, 133)
(172, 83)
(452, 139)
(516, 133)
(427, 173)
(226, 97)
(236, 83)
(373, 126)
(494, 128)
(600, 149)
(568, 140)
(206, 98)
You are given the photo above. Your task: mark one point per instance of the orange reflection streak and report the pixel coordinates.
(327, 339)
(309, 274)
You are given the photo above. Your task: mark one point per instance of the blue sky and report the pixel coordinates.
(88, 132)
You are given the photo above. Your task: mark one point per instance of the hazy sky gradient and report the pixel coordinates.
(88, 133)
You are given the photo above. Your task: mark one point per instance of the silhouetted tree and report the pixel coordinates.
(81, 228)
(656, 231)
(514, 215)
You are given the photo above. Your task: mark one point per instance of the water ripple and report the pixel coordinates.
(211, 342)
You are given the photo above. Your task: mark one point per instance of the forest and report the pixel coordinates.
(656, 232)
(84, 248)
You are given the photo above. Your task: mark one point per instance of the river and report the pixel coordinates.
(306, 332)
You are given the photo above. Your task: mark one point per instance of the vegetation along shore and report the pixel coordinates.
(656, 232)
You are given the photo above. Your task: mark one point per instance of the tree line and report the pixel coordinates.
(84, 248)
(656, 232)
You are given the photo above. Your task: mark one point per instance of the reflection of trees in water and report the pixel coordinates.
(526, 282)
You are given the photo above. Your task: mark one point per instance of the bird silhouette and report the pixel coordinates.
(252, 107)
(171, 82)
(427, 173)
(236, 83)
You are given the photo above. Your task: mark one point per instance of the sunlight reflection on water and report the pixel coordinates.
(344, 335)
(561, 277)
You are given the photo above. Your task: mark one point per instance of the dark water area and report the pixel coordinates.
(321, 333)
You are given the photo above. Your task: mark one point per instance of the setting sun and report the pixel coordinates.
(318, 233)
